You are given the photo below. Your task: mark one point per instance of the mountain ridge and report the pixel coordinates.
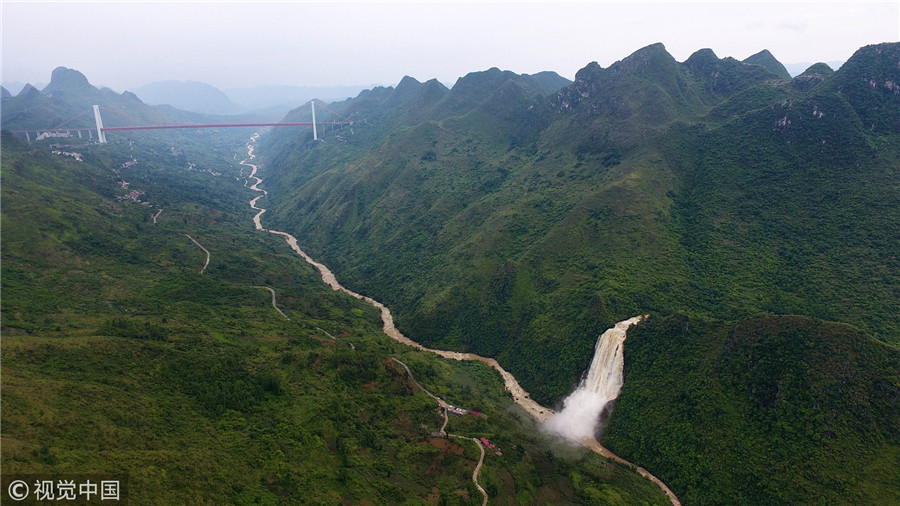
(718, 196)
(191, 96)
(585, 148)
(66, 99)
(767, 60)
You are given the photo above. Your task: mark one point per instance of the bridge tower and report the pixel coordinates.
(101, 135)
(313, 104)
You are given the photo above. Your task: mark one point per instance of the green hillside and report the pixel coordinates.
(121, 359)
(768, 410)
(642, 187)
(521, 225)
(754, 217)
(66, 102)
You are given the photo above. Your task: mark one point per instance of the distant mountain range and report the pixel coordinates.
(65, 100)
(204, 98)
(283, 98)
(795, 69)
(15, 87)
(188, 95)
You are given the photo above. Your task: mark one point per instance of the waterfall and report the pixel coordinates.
(581, 410)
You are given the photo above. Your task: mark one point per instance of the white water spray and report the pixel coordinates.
(581, 411)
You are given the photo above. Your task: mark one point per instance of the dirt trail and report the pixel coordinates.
(413, 378)
(477, 466)
(273, 301)
(204, 249)
(444, 405)
(352, 347)
(440, 401)
(520, 395)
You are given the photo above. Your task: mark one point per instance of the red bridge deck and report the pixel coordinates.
(217, 125)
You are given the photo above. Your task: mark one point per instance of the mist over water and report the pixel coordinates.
(582, 409)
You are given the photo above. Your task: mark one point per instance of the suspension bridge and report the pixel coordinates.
(65, 131)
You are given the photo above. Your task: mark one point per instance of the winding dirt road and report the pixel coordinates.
(477, 466)
(444, 405)
(520, 395)
(204, 249)
(440, 401)
(273, 301)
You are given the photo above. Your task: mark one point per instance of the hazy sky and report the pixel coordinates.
(232, 44)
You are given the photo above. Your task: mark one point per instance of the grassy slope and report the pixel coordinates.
(118, 357)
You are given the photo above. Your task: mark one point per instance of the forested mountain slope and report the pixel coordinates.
(767, 410)
(129, 354)
(520, 225)
(67, 101)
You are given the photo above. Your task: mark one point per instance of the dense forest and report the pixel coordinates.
(124, 357)
(520, 221)
(753, 216)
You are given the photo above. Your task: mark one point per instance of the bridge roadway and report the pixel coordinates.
(169, 127)
(102, 129)
(220, 125)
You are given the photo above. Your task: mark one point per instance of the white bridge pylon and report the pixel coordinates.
(101, 135)
(312, 104)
